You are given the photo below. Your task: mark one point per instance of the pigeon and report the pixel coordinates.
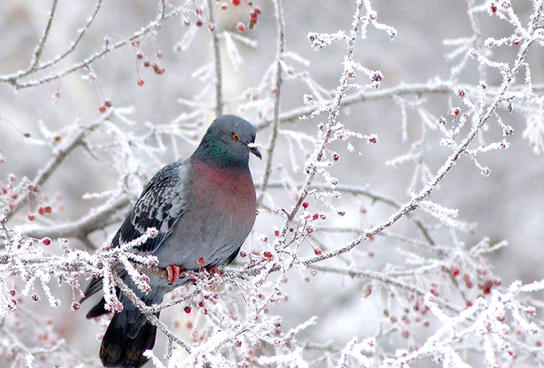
(203, 209)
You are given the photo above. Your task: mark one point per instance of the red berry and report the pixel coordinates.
(487, 287)
(140, 82)
(267, 254)
(201, 260)
(336, 157)
(455, 271)
(277, 233)
(31, 217)
(41, 211)
(224, 6)
(147, 63)
(75, 306)
(199, 23)
(14, 196)
(315, 216)
(236, 2)
(140, 55)
(107, 103)
(47, 209)
(493, 8)
(240, 26)
(12, 292)
(35, 297)
(46, 241)
(305, 204)
(159, 55)
(317, 252)
(102, 109)
(187, 309)
(372, 140)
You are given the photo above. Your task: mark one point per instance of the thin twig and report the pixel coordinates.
(444, 169)
(149, 315)
(39, 48)
(60, 156)
(81, 227)
(217, 62)
(280, 24)
(13, 79)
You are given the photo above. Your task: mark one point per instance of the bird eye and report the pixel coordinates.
(235, 136)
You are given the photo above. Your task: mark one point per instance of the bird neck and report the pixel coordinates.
(217, 155)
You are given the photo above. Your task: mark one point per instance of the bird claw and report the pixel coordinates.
(173, 273)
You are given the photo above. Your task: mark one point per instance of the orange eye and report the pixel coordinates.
(235, 137)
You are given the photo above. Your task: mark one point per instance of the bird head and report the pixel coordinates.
(228, 141)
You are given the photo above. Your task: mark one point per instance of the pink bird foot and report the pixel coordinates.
(173, 273)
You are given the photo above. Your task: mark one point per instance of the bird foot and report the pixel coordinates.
(173, 273)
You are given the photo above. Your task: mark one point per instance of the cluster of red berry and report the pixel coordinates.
(157, 68)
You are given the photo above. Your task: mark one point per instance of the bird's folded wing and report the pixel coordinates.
(160, 206)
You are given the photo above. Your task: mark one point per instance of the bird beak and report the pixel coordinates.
(253, 149)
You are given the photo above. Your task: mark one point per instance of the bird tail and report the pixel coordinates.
(127, 337)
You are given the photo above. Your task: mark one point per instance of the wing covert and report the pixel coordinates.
(160, 205)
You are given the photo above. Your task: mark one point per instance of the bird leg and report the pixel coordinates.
(173, 273)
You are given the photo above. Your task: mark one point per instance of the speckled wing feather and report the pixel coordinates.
(160, 205)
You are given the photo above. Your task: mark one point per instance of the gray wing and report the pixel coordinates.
(160, 205)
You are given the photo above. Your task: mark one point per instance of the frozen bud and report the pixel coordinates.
(461, 93)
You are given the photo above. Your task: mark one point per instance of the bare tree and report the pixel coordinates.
(337, 272)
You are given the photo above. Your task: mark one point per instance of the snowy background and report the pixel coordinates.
(163, 120)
